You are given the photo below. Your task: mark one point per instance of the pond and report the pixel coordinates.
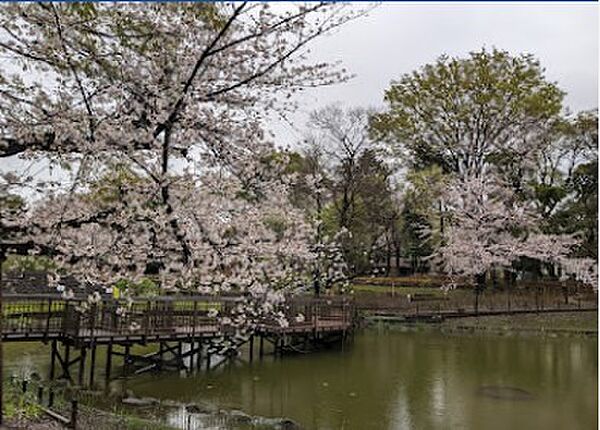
(396, 378)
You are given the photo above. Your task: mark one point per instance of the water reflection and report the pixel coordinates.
(393, 379)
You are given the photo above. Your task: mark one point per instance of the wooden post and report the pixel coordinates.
(82, 357)
(180, 363)
(66, 362)
(261, 346)
(199, 355)
(160, 355)
(251, 352)
(108, 363)
(52, 359)
(126, 360)
(48, 318)
(147, 318)
(92, 365)
(73, 420)
(191, 356)
(195, 320)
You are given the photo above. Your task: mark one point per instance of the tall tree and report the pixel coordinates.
(342, 136)
(358, 183)
(462, 114)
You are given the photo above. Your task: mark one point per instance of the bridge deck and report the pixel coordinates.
(31, 318)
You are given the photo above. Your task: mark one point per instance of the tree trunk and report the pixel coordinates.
(494, 278)
(388, 259)
(479, 287)
(507, 278)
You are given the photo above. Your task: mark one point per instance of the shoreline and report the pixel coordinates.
(552, 324)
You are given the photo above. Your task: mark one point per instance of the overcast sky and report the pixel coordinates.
(397, 38)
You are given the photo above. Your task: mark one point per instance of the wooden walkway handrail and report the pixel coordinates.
(47, 316)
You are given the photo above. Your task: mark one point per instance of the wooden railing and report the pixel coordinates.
(467, 302)
(51, 316)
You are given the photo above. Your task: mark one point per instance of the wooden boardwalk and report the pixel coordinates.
(49, 317)
(189, 332)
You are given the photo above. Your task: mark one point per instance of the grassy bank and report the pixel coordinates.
(21, 411)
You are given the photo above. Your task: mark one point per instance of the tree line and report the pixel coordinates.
(154, 117)
(475, 168)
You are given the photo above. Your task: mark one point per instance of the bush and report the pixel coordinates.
(145, 288)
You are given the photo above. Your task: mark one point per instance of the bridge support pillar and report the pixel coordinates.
(52, 359)
(108, 363)
(161, 347)
(126, 360)
(65, 364)
(199, 356)
(92, 365)
(180, 361)
(190, 366)
(82, 357)
(251, 349)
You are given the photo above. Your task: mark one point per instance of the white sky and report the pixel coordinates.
(397, 38)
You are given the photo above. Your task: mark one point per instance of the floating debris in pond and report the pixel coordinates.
(504, 392)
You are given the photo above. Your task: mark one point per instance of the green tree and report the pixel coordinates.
(464, 114)
(565, 184)
(422, 220)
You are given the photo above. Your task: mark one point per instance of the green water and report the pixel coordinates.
(392, 379)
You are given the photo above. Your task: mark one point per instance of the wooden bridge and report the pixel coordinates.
(188, 330)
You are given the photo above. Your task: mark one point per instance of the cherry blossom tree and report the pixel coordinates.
(177, 93)
(153, 116)
(132, 138)
(488, 226)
